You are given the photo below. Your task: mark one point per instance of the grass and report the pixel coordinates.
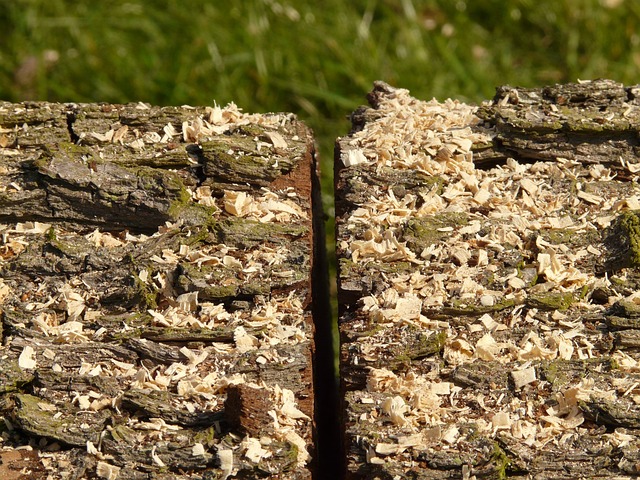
(317, 59)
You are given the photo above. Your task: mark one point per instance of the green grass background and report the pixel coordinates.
(315, 58)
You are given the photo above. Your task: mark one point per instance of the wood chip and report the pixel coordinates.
(523, 377)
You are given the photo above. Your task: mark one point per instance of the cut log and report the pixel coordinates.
(488, 279)
(152, 260)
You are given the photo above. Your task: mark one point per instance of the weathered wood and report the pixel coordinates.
(488, 285)
(152, 259)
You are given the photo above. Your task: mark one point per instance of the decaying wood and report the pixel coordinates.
(488, 285)
(152, 260)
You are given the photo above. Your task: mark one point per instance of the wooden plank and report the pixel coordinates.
(488, 285)
(155, 281)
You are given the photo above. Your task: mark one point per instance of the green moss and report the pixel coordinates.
(259, 287)
(292, 452)
(345, 267)
(623, 315)
(472, 432)
(246, 233)
(560, 236)
(206, 437)
(623, 243)
(121, 433)
(501, 461)
(459, 307)
(251, 130)
(420, 233)
(133, 320)
(619, 282)
(511, 117)
(31, 413)
(592, 120)
(550, 300)
(168, 334)
(215, 282)
(73, 150)
(553, 374)
(422, 346)
(144, 294)
(285, 456)
(204, 234)
(562, 372)
(61, 422)
(402, 361)
(394, 267)
(630, 222)
(50, 234)
(12, 377)
(625, 308)
(167, 184)
(584, 120)
(142, 325)
(182, 200)
(584, 291)
(630, 284)
(377, 328)
(431, 181)
(613, 363)
(355, 271)
(71, 250)
(428, 345)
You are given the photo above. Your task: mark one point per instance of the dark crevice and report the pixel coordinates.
(330, 461)
(195, 153)
(493, 162)
(71, 118)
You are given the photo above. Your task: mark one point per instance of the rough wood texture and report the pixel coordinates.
(152, 260)
(488, 285)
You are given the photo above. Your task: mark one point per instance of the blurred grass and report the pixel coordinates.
(317, 59)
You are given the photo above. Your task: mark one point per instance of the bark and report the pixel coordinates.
(152, 260)
(459, 365)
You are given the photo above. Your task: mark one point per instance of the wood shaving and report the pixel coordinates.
(266, 208)
(253, 450)
(198, 450)
(27, 359)
(217, 120)
(107, 471)
(226, 462)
